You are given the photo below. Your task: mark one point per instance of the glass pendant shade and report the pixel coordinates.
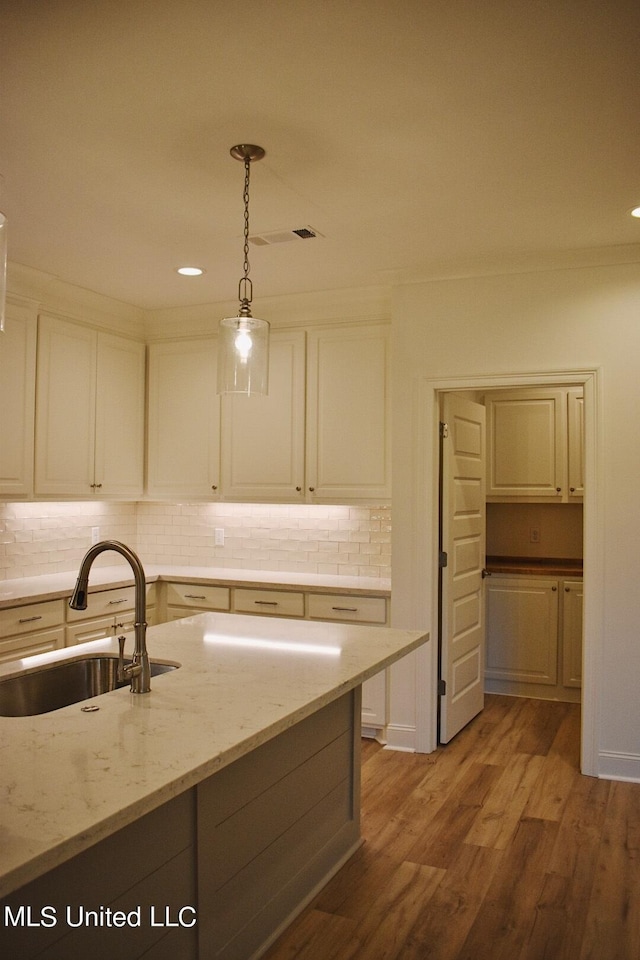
(3, 268)
(243, 356)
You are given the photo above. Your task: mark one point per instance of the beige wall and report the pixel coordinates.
(509, 528)
(531, 323)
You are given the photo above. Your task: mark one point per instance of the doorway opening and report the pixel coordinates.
(587, 382)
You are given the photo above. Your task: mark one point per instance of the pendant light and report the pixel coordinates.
(243, 341)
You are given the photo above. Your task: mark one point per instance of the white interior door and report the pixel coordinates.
(463, 540)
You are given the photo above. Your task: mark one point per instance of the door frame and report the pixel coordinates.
(429, 393)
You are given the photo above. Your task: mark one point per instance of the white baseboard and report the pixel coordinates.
(619, 766)
(401, 737)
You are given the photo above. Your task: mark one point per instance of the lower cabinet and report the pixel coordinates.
(39, 627)
(184, 599)
(108, 612)
(270, 603)
(31, 629)
(534, 637)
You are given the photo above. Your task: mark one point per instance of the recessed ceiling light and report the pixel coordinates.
(190, 271)
(636, 212)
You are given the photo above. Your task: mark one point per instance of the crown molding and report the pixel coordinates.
(64, 299)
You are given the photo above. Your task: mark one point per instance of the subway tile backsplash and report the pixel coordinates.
(39, 538)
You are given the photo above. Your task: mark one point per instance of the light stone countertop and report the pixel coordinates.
(54, 586)
(70, 778)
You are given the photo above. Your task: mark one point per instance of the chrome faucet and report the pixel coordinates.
(138, 670)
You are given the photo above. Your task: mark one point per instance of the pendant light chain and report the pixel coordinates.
(245, 287)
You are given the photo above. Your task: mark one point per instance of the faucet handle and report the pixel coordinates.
(121, 670)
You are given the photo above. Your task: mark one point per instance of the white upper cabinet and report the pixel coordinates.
(263, 437)
(321, 435)
(89, 412)
(348, 453)
(17, 401)
(184, 420)
(528, 444)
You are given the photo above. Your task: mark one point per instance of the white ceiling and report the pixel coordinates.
(420, 137)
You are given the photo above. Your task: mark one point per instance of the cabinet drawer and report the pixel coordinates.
(324, 606)
(278, 603)
(104, 603)
(31, 617)
(197, 595)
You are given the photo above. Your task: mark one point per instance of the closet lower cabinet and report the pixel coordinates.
(534, 637)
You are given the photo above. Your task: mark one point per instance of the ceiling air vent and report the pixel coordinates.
(284, 236)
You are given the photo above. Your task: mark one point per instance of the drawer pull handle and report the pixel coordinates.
(114, 603)
(345, 609)
(30, 619)
(195, 596)
(267, 603)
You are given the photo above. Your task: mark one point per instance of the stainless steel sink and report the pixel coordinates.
(61, 684)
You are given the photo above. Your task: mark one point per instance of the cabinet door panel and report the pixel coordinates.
(572, 598)
(184, 420)
(348, 414)
(263, 437)
(575, 422)
(522, 639)
(17, 402)
(30, 644)
(119, 456)
(526, 444)
(65, 408)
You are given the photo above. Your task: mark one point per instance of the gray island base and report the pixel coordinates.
(218, 868)
(216, 872)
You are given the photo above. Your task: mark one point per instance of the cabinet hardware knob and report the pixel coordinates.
(298, 489)
(566, 589)
(213, 486)
(572, 489)
(29, 619)
(312, 489)
(554, 589)
(558, 489)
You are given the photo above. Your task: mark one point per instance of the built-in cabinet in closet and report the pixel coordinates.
(534, 620)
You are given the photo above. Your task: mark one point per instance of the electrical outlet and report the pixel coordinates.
(218, 536)
(534, 534)
(95, 535)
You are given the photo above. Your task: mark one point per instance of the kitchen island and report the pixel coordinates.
(196, 820)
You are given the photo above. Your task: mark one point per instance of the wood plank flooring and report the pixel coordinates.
(492, 848)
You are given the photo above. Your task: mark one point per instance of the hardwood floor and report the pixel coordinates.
(492, 848)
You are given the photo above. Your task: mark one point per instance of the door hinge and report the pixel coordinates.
(443, 558)
(442, 688)
(444, 430)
